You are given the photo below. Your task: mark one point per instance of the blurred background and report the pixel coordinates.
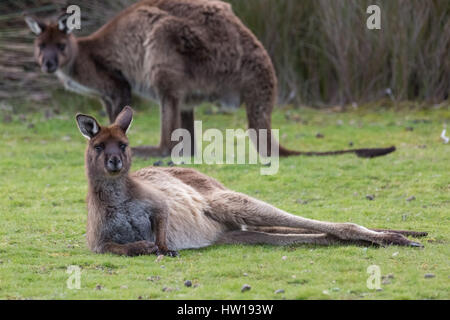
(322, 50)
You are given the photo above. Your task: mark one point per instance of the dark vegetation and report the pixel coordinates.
(322, 50)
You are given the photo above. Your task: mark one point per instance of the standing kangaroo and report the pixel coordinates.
(162, 210)
(179, 52)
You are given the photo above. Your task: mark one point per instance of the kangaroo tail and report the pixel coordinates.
(362, 153)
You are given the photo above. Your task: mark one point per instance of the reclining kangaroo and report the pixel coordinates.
(162, 210)
(179, 52)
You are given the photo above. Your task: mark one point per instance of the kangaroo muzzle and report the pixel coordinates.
(49, 62)
(114, 164)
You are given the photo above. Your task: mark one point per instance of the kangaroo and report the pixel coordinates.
(178, 52)
(162, 210)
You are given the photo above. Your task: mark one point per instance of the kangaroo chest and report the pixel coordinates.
(127, 222)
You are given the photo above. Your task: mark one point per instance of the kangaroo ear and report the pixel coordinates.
(35, 26)
(125, 118)
(88, 126)
(62, 24)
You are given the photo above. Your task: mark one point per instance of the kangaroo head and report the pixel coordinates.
(54, 46)
(108, 154)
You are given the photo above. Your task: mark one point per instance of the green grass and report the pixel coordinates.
(43, 213)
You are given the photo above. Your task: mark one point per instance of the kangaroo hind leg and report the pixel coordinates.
(258, 238)
(236, 209)
(287, 230)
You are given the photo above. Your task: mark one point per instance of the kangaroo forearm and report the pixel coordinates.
(130, 249)
(160, 222)
(115, 104)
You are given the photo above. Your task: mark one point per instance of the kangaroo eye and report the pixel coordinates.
(98, 148)
(61, 46)
(122, 146)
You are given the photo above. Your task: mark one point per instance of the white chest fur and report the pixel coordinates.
(73, 85)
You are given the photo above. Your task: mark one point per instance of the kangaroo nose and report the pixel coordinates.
(50, 65)
(114, 164)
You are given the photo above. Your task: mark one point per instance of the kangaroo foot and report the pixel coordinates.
(415, 234)
(390, 238)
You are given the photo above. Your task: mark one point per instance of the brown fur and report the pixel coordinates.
(179, 52)
(162, 210)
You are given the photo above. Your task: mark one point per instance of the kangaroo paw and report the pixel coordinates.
(169, 253)
(141, 248)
